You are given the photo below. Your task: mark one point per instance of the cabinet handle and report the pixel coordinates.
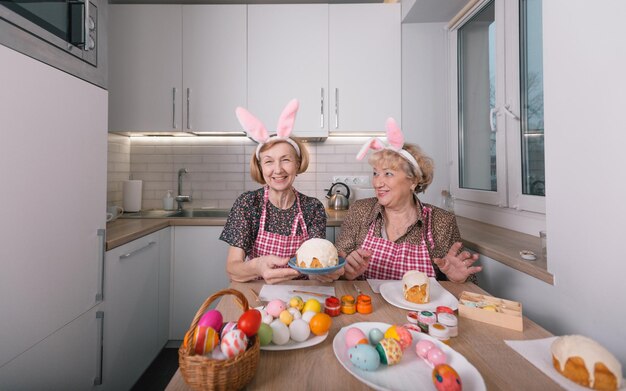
(336, 108)
(322, 109)
(101, 249)
(188, 108)
(130, 254)
(174, 108)
(98, 379)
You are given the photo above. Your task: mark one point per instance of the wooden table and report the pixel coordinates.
(481, 344)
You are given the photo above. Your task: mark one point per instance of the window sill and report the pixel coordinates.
(504, 246)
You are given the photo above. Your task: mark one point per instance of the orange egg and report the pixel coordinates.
(320, 323)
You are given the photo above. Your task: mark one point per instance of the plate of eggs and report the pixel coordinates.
(293, 325)
(394, 357)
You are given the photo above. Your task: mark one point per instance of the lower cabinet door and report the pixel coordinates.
(68, 359)
(131, 277)
(199, 270)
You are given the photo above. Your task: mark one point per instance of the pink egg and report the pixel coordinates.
(275, 307)
(234, 343)
(211, 318)
(227, 327)
(355, 336)
(422, 348)
(435, 357)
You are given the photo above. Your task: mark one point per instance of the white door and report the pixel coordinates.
(145, 68)
(53, 174)
(199, 270)
(288, 58)
(214, 66)
(365, 66)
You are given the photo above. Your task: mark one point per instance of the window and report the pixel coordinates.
(497, 100)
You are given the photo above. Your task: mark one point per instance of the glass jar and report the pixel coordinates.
(364, 304)
(348, 305)
(332, 306)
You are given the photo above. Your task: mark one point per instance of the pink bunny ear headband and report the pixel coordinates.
(396, 142)
(257, 131)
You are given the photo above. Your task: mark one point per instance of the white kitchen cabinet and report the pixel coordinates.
(199, 270)
(69, 359)
(342, 61)
(365, 66)
(165, 266)
(53, 157)
(288, 58)
(145, 68)
(176, 67)
(131, 307)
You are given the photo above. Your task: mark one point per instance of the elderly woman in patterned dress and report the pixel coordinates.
(386, 236)
(266, 226)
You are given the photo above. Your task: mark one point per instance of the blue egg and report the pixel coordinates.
(376, 336)
(364, 357)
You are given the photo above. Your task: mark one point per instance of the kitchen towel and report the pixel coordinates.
(132, 195)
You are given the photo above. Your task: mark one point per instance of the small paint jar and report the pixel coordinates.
(348, 305)
(364, 304)
(439, 331)
(444, 309)
(450, 321)
(425, 319)
(411, 316)
(332, 306)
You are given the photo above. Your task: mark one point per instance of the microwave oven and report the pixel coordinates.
(66, 34)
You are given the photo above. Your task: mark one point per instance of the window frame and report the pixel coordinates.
(508, 200)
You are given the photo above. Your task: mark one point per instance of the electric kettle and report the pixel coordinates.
(336, 200)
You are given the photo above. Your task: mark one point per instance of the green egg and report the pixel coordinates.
(265, 334)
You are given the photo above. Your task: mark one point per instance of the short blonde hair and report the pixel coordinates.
(395, 161)
(255, 166)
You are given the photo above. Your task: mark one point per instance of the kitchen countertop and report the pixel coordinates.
(122, 231)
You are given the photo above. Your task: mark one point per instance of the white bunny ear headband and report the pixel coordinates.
(396, 142)
(257, 131)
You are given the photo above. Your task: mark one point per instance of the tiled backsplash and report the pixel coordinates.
(218, 167)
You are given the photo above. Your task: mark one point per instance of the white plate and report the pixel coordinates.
(392, 293)
(411, 373)
(313, 340)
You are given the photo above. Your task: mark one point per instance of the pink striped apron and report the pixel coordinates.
(391, 260)
(268, 243)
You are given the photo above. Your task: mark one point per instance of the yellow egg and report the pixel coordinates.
(312, 305)
(296, 302)
(286, 317)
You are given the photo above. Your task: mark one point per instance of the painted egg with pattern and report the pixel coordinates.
(234, 342)
(446, 378)
(205, 339)
(227, 327)
(400, 334)
(390, 351)
(275, 307)
(364, 356)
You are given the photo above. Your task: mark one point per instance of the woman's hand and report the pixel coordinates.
(330, 277)
(270, 268)
(457, 266)
(356, 263)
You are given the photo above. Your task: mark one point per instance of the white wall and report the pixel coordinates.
(425, 98)
(585, 94)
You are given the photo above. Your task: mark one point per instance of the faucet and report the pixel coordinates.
(179, 197)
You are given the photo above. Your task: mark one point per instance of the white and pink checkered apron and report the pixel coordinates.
(389, 260)
(268, 243)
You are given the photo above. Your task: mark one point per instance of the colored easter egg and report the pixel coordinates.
(375, 335)
(390, 351)
(249, 322)
(445, 378)
(265, 334)
(400, 334)
(436, 357)
(234, 342)
(227, 327)
(205, 339)
(275, 307)
(355, 336)
(364, 356)
(211, 318)
(422, 347)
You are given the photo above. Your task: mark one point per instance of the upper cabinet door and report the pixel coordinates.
(365, 66)
(214, 66)
(145, 68)
(288, 58)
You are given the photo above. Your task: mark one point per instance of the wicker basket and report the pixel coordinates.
(204, 373)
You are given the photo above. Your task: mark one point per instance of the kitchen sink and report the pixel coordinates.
(169, 214)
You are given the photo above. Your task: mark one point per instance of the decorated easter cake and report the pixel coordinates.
(317, 253)
(415, 286)
(586, 362)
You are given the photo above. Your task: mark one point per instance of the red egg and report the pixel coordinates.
(445, 378)
(249, 322)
